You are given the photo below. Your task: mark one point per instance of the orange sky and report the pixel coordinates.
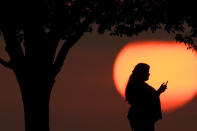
(169, 61)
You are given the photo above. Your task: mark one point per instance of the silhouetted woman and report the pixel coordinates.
(145, 107)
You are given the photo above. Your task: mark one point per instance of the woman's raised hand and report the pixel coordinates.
(162, 88)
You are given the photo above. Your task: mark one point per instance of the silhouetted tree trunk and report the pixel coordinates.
(36, 69)
(36, 109)
(33, 59)
(35, 89)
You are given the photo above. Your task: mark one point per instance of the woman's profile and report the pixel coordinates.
(144, 100)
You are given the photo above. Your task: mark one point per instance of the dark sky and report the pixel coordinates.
(84, 97)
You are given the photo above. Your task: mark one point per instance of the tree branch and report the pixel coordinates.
(5, 64)
(63, 52)
(58, 26)
(56, 31)
(13, 46)
(69, 43)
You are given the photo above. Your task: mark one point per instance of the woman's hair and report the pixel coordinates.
(138, 75)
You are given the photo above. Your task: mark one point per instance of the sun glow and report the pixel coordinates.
(168, 61)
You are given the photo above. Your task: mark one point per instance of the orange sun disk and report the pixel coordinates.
(168, 60)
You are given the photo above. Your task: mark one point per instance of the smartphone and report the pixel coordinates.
(166, 83)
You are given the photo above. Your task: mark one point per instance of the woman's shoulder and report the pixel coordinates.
(149, 86)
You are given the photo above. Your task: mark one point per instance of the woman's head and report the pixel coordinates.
(141, 72)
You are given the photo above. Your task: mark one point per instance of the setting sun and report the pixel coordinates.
(169, 61)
